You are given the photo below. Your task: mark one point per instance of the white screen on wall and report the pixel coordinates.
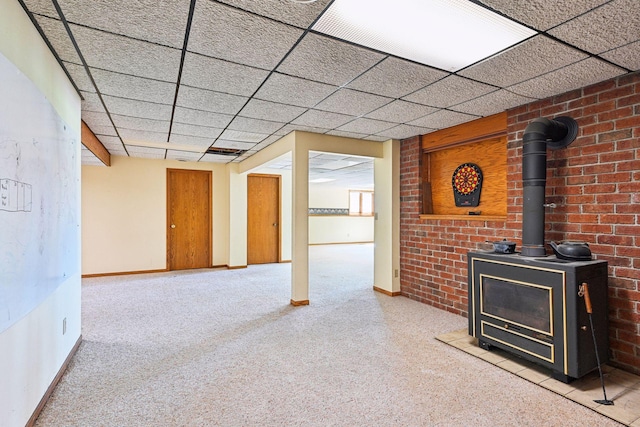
(39, 174)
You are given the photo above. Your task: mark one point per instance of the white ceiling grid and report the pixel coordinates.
(253, 71)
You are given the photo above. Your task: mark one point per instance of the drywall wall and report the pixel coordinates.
(124, 214)
(326, 229)
(33, 343)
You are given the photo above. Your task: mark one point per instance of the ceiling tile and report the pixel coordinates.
(184, 129)
(79, 76)
(326, 60)
(135, 108)
(592, 31)
(401, 111)
(110, 142)
(140, 19)
(201, 118)
(191, 140)
(240, 145)
(221, 76)
(290, 128)
(59, 39)
(442, 119)
(43, 7)
(449, 91)
(91, 102)
(294, 91)
(366, 126)
(132, 135)
(140, 124)
(146, 152)
(93, 119)
(132, 87)
(207, 100)
(626, 56)
(323, 119)
(529, 59)
(543, 14)
(492, 103)
(234, 135)
(258, 109)
(376, 138)
(404, 131)
(128, 56)
(352, 102)
(216, 158)
(248, 39)
(396, 78)
(574, 76)
(87, 158)
(255, 125)
(106, 130)
(298, 14)
(183, 155)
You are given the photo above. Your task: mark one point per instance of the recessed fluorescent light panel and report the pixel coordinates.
(446, 34)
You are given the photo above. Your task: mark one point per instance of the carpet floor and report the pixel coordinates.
(225, 348)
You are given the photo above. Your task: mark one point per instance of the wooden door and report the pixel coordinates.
(263, 219)
(188, 219)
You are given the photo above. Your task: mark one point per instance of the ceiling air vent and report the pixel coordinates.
(225, 151)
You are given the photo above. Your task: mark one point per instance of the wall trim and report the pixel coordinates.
(122, 273)
(299, 303)
(54, 384)
(388, 293)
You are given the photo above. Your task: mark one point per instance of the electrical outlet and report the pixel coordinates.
(395, 273)
(64, 326)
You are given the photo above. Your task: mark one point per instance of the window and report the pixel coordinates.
(361, 203)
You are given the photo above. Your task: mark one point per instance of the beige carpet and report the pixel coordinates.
(225, 348)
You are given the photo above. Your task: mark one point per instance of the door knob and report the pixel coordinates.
(173, 226)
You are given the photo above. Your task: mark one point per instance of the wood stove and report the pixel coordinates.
(532, 307)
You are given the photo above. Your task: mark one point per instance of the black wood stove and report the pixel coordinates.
(531, 304)
(532, 307)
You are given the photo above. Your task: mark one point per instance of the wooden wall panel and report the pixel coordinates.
(491, 156)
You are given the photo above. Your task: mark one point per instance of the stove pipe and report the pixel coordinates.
(539, 134)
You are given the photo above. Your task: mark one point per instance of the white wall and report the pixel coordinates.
(33, 349)
(326, 229)
(124, 214)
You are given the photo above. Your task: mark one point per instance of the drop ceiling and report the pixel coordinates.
(169, 79)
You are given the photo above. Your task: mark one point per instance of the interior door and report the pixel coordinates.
(263, 219)
(188, 219)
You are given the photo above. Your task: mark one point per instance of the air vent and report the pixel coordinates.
(226, 151)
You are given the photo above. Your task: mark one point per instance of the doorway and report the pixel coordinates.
(263, 219)
(188, 219)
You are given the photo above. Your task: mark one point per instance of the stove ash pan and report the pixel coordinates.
(533, 308)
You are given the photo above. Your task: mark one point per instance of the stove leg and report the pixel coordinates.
(484, 345)
(560, 376)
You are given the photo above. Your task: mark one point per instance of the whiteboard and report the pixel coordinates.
(39, 197)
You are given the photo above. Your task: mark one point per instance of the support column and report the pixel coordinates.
(386, 255)
(300, 229)
(237, 217)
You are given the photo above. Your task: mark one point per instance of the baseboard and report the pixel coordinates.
(235, 267)
(341, 243)
(386, 292)
(123, 273)
(299, 303)
(54, 384)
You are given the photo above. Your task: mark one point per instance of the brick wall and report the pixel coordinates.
(596, 184)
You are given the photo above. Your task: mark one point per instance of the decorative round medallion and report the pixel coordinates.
(467, 182)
